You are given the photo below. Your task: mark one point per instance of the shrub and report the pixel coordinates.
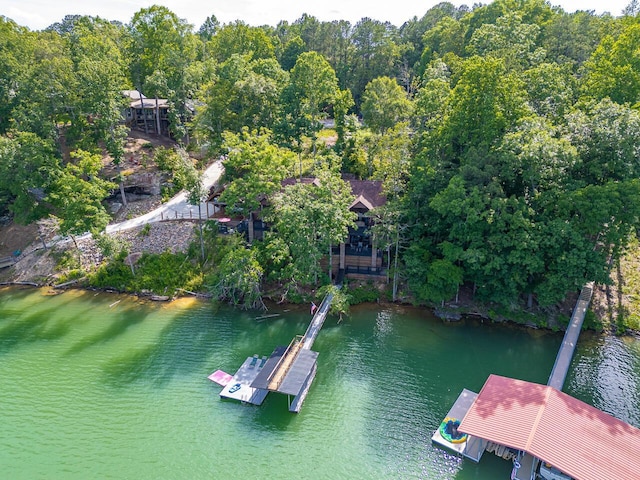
(363, 294)
(145, 230)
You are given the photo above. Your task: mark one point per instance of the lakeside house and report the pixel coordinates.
(359, 256)
(150, 115)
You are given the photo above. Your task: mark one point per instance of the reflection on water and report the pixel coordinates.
(97, 385)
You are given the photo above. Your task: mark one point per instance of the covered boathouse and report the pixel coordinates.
(516, 417)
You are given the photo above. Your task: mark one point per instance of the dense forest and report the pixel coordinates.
(507, 135)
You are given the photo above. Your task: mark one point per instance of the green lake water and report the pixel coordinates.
(94, 385)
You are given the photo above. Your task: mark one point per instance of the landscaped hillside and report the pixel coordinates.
(506, 137)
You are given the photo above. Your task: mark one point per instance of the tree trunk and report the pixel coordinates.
(133, 272)
(77, 250)
(388, 262)
(158, 118)
(122, 194)
(144, 114)
(395, 268)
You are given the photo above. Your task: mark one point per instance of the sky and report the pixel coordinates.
(39, 14)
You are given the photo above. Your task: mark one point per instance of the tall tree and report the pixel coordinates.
(484, 104)
(376, 54)
(510, 39)
(240, 38)
(77, 194)
(209, 28)
(614, 68)
(243, 94)
(310, 217)
(44, 99)
(28, 165)
(312, 89)
(384, 104)
(255, 168)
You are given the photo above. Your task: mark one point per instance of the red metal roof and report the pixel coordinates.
(582, 441)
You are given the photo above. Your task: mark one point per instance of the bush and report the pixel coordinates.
(592, 322)
(145, 231)
(114, 275)
(363, 294)
(163, 274)
(238, 279)
(166, 273)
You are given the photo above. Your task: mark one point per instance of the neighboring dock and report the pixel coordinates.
(474, 447)
(482, 437)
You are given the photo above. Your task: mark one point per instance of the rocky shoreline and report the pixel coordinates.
(38, 265)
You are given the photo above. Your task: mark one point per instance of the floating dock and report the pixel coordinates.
(220, 377)
(239, 387)
(473, 447)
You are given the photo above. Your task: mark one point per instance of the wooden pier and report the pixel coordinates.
(289, 370)
(524, 463)
(565, 354)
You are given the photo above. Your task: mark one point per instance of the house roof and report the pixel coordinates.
(150, 103)
(361, 203)
(369, 190)
(368, 193)
(578, 439)
(133, 94)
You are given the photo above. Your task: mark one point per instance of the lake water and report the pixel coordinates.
(105, 386)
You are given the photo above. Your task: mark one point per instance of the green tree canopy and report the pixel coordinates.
(77, 194)
(255, 168)
(310, 217)
(384, 104)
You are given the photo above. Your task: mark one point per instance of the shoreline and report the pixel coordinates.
(436, 312)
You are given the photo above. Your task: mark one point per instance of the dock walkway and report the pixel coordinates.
(565, 354)
(317, 322)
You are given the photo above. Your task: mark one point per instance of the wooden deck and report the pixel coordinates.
(7, 262)
(285, 364)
